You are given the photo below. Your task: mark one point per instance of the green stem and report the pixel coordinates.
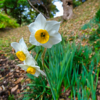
(47, 76)
(43, 55)
(38, 54)
(33, 46)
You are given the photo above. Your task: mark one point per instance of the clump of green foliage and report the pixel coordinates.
(67, 66)
(98, 16)
(11, 97)
(6, 21)
(38, 89)
(76, 3)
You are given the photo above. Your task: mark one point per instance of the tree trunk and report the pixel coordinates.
(67, 9)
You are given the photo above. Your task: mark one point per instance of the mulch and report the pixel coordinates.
(13, 80)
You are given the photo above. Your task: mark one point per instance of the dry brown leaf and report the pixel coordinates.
(19, 80)
(28, 80)
(14, 88)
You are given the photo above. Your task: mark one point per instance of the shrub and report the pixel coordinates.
(6, 21)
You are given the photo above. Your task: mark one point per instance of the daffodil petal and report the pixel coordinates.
(47, 45)
(24, 67)
(36, 67)
(22, 43)
(56, 38)
(53, 32)
(52, 25)
(26, 52)
(41, 21)
(33, 27)
(42, 73)
(37, 73)
(33, 41)
(30, 61)
(16, 46)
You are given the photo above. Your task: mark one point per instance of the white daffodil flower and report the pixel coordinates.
(30, 67)
(22, 50)
(44, 33)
